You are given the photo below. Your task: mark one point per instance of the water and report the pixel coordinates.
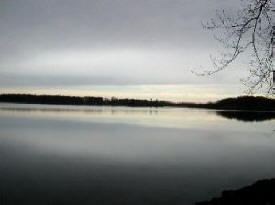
(128, 156)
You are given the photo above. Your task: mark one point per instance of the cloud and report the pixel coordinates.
(107, 42)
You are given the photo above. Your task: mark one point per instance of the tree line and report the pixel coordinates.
(238, 103)
(74, 100)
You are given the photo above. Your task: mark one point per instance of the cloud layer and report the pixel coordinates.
(108, 42)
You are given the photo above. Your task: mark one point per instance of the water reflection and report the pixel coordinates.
(247, 116)
(105, 156)
(107, 111)
(160, 117)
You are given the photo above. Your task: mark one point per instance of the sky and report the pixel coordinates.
(124, 48)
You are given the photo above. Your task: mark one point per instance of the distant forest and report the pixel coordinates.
(238, 103)
(73, 100)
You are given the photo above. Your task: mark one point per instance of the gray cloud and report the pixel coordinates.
(36, 37)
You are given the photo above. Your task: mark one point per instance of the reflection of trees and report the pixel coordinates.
(247, 116)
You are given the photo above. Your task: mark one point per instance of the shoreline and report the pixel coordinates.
(260, 192)
(241, 103)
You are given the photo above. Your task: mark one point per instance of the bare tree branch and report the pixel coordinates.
(250, 31)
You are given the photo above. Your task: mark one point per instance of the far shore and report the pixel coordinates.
(248, 103)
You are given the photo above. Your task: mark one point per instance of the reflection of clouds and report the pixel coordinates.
(134, 134)
(140, 143)
(168, 117)
(145, 116)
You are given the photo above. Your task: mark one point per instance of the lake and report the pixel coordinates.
(128, 156)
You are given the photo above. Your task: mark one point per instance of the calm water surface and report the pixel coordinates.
(127, 156)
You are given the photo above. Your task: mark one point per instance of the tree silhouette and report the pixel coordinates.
(249, 30)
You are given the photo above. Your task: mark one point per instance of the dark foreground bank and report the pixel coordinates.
(238, 103)
(260, 193)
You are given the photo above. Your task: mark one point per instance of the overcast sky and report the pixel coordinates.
(109, 46)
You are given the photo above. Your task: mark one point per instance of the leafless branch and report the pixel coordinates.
(248, 30)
